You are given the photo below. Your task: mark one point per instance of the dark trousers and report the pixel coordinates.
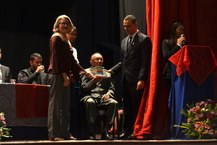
(91, 105)
(58, 107)
(131, 98)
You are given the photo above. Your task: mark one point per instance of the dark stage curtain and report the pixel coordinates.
(200, 19)
(132, 7)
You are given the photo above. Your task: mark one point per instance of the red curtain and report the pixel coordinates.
(200, 20)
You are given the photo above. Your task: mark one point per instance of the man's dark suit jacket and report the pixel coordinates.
(135, 62)
(29, 76)
(6, 74)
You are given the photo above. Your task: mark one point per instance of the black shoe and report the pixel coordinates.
(70, 138)
(126, 136)
(131, 137)
(92, 137)
(56, 139)
(106, 136)
(123, 136)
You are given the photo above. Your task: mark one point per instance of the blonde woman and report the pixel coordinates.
(62, 64)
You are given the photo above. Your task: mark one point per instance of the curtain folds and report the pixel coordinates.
(153, 118)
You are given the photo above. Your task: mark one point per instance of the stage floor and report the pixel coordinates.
(116, 142)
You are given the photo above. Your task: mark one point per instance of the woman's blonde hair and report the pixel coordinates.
(57, 22)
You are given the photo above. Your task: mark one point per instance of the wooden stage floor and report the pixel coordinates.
(115, 142)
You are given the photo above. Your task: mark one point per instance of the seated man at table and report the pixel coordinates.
(35, 73)
(5, 73)
(98, 92)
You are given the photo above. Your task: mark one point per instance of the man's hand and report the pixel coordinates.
(66, 80)
(140, 85)
(109, 71)
(40, 68)
(105, 97)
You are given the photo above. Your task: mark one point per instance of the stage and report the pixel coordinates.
(116, 142)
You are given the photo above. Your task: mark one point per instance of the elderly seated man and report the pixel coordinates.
(98, 91)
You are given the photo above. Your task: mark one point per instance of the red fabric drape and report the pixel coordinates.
(151, 100)
(153, 113)
(31, 100)
(198, 60)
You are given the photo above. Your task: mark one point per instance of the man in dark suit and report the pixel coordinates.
(135, 64)
(35, 73)
(98, 92)
(5, 73)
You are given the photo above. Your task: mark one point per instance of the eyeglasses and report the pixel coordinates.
(64, 23)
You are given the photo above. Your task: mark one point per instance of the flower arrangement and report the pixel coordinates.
(4, 131)
(201, 120)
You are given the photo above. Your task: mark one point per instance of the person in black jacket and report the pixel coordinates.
(5, 73)
(135, 65)
(35, 73)
(170, 46)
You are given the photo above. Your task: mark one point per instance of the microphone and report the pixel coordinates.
(184, 42)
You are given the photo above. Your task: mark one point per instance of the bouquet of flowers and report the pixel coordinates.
(201, 120)
(4, 131)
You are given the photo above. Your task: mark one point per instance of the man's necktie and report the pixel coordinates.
(129, 43)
